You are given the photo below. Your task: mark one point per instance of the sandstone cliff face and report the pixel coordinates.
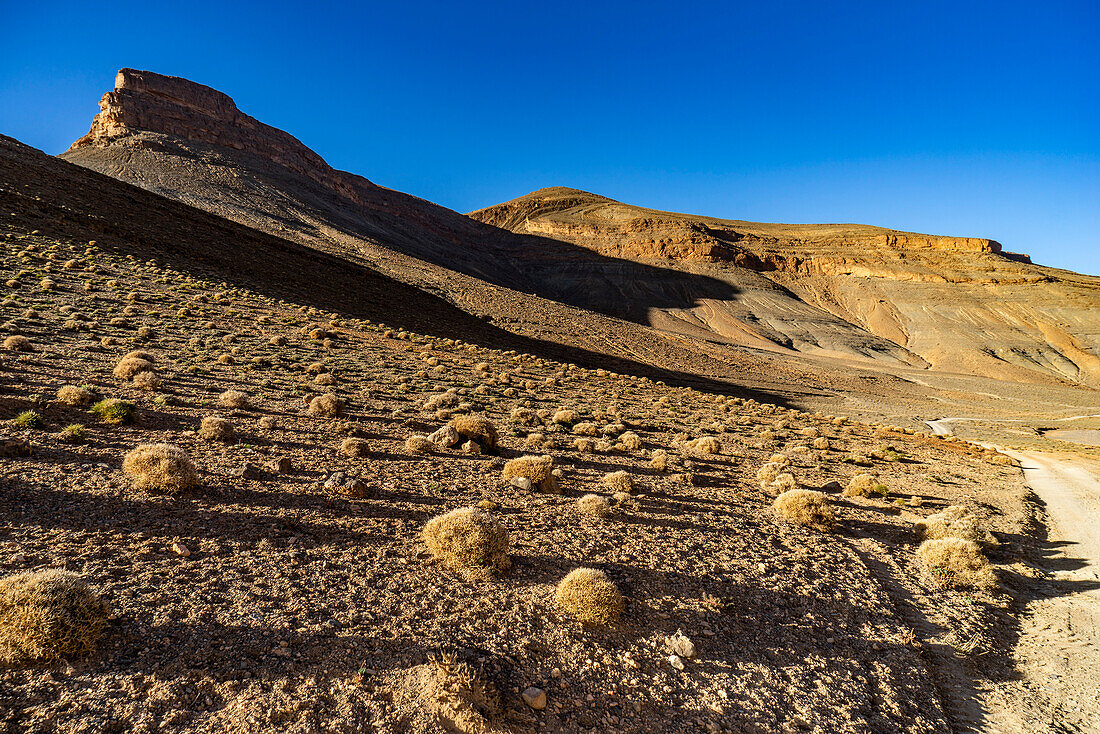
(146, 101)
(955, 304)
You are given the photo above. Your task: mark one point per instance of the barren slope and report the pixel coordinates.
(954, 304)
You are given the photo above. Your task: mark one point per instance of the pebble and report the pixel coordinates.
(535, 698)
(681, 645)
(180, 550)
(676, 661)
(555, 673)
(522, 483)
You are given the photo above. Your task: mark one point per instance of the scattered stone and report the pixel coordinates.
(446, 437)
(14, 447)
(832, 487)
(535, 698)
(676, 661)
(348, 486)
(280, 465)
(471, 447)
(247, 470)
(681, 645)
(522, 483)
(180, 549)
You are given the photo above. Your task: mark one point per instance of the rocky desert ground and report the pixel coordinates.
(256, 479)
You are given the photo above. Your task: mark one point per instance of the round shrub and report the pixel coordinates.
(128, 367)
(617, 481)
(114, 411)
(216, 428)
(419, 444)
(45, 615)
(538, 469)
(355, 448)
(326, 406)
(468, 538)
(160, 466)
(805, 507)
(73, 395)
(233, 399)
(593, 505)
(957, 562)
(477, 428)
(587, 595)
(17, 343)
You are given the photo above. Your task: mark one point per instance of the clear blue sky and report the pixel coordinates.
(961, 118)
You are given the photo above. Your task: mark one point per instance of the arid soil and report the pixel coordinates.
(263, 601)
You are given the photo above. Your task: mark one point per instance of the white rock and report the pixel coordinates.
(180, 549)
(522, 483)
(681, 645)
(676, 662)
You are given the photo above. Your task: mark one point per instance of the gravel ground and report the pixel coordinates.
(262, 601)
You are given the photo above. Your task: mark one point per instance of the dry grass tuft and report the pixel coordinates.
(539, 469)
(147, 380)
(128, 367)
(704, 445)
(768, 473)
(955, 521)
(419, 444)
(586, 428)
(956, 562)
(468, 538)
(355, 448)
(864, 485)
(17, 343)
(327, 406)
(593, 505)
(658, 460)
(477, 428)
(216, 428)
(565, 417)
(631, 441)
(160, 466)
(73, 395)
(45, 615)
(805, 507)
(234, 399)
(618, 481)
(587, 595)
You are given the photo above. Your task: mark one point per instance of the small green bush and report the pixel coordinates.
(114, 411)
(29, 419)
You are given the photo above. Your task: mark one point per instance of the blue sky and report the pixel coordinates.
(960, 118)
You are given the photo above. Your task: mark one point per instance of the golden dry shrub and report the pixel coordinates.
(588, 596)
(861, 485)
(565, 417)
(160, 466)
(45, 615)
(355, 448)
(955, 521)
(268, 423)
(538, 469)
(767, 473)
(805, 507)
(234, 399)
(534, 440)
(419, 444)
(584, 445)
(147, 381)
(617, 481)
(956, 562)
(586, 428)
(704, 445)
(468, 538)
(780, 459)
(128, 367)
(658, 460)
(216, 428)
(73, 395)
(784, 482)
(326, 406)
(593, 505)
(477, 428)
(809, 432)
(17, 343)
(631, 441)
(525, 416)
(821, 443)
(141, 354)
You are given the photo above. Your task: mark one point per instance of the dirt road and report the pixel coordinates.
(1057, 656)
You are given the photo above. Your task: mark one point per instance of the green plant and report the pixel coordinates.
(29, 419)
(114, 411)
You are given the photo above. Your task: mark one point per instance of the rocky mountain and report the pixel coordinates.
(728, 292)
(951, 304)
